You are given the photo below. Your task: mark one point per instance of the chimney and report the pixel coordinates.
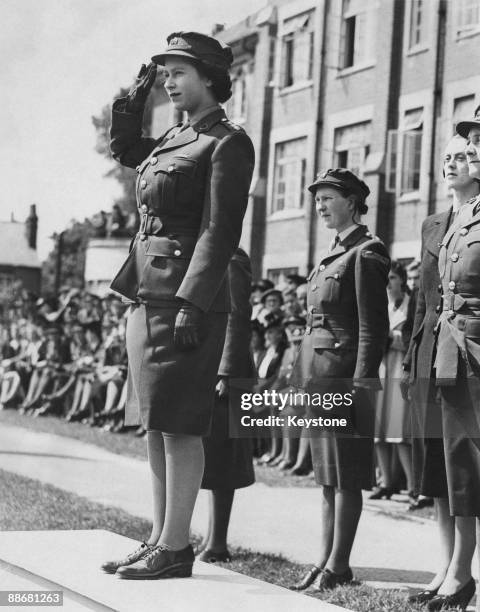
(31, 225)
(217, 28)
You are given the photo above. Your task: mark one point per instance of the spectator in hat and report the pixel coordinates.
(344, 342)
(192, 193)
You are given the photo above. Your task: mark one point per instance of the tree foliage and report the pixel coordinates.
(74, 241)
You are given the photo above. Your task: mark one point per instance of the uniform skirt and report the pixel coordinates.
(171, 390)
(228, 461)
(461, 430)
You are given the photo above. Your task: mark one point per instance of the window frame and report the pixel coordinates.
(300, 165)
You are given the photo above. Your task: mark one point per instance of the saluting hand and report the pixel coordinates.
(138, 94)
(188, 326)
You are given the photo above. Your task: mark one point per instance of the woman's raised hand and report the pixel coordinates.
(138, 94)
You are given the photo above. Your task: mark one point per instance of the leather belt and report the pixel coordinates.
(151, 225)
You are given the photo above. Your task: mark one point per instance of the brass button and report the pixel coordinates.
(337, 276)
(463, 231)
(337, 345)
(454, 257)
(153, 161)
(452, 285)
(322, 267)
(437, 309)
(177, 252)
(171, 168)
(224, 119)
(144, 208)
(314, 287)
(143, 183)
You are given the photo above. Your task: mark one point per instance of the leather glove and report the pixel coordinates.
(188, 326)
(138, 94)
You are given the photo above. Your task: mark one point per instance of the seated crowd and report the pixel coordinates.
(66, 357)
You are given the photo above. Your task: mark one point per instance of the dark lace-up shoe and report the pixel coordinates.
(110, 567)
(160, 562)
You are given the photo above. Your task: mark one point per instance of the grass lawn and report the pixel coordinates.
(27, 504)
(127, 444)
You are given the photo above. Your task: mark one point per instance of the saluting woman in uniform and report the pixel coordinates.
(192, 192)
(346, 336)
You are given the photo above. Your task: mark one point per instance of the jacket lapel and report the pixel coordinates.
(437, 232)
(179, 140)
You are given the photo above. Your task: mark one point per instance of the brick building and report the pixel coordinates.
(372, 85)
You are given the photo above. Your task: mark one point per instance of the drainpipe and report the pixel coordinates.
(437, 101)
(319, 95)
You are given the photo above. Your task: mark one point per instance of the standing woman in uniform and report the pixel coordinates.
(345, 339)
(456, 533)
(458, 365)
(192, 192)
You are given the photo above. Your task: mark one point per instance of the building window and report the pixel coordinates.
(463, 108)
(404, 154)
(417, 23)
(352, 145)
(357, 33)
(237, 105)
(297, 50)
(278, 276)
(289, 178)
(468, 17)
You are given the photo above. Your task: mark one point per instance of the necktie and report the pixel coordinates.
(334, 243)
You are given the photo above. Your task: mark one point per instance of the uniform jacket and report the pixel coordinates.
(347, 314)
(459, 268)
(420, 355)
(237, 360)
(192, 192)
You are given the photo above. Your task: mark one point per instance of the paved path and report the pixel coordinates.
(387, 551)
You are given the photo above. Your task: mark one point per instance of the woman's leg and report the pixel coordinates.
(348, 508)
(184, 470)
(460, 568)
(446, 528)
(111, 396)
(406, 461)
(327, 521)
(220, 509)
(156, 460)
(383, 452)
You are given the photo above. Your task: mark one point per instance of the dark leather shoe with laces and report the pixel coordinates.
(160, 562)
(110, 567)
(328, 580)
(306, 579)
(458, 600)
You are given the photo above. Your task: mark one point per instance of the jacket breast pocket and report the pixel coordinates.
(175, 179)
(166, 263)
(332, 288)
